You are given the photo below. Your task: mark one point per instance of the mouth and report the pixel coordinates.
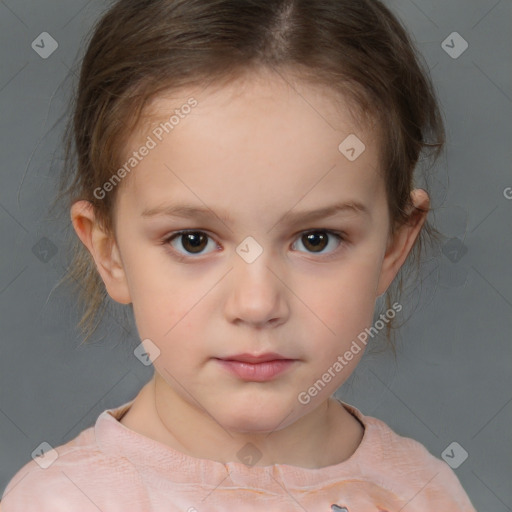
(251, 358)
(256, 368)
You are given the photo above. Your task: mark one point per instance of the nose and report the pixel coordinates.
(257, 295)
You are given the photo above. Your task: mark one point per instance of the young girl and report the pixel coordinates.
(244, 180)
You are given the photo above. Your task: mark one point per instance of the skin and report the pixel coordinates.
(256, 149)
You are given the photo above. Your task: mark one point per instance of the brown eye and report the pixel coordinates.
(193, 242)
(316, 241)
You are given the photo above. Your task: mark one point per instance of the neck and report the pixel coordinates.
(332, 434)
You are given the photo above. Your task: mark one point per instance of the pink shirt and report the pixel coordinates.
(110, 468)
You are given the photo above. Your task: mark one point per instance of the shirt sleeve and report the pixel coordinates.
(431, 483)
(40, 490)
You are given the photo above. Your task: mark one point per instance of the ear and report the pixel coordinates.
(401, 244)
(103, 249)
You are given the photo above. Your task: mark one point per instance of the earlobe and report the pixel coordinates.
(103, 249)
(403, 241)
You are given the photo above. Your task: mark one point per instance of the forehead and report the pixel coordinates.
(256, 88)
(252, 134)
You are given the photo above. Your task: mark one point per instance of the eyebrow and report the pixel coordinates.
(199, 212)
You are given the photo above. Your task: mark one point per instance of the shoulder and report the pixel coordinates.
(80, 477)
(405, 467)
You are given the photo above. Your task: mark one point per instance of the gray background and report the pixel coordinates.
(452, 378)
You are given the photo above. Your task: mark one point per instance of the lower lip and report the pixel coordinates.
(257, 372)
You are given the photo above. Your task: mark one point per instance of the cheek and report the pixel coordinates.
(160, 297)
(162, 307)
(171, 313)
(344, 298)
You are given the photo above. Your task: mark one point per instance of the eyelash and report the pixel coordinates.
(339, 235)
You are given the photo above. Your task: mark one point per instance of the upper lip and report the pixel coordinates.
(251, 358)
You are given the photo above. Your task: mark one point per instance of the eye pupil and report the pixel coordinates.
(195, 240)
(320, 239)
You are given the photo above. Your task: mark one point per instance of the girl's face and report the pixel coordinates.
(245, 170)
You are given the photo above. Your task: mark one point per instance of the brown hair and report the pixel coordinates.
(142, 48)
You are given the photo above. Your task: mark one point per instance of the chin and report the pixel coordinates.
(255, 419)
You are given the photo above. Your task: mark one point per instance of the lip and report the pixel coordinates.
(250, 358)
(268, 367)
